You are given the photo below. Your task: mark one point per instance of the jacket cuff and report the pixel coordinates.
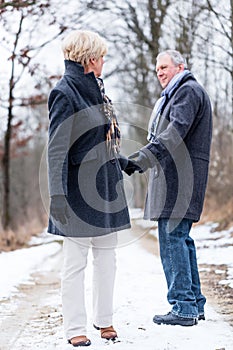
(151, 157)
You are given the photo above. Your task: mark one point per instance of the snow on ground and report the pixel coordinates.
(140, 293)
(17, 266)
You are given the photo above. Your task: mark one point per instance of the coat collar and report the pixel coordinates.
(188, 76)
(184, 79)
(74, 69)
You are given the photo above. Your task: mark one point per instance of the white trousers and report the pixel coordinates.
(75, 252)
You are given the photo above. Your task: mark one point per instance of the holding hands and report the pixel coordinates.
(131, 167)
(137, 161)
(140, 159)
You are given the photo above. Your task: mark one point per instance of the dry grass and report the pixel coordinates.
(15, 239)
(220, 213)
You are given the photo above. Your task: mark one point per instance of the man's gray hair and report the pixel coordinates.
(176, 57)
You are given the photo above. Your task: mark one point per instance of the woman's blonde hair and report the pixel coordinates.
(82, 45)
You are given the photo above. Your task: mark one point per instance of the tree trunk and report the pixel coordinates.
(6, 167)
(232, 67)
(7, 139)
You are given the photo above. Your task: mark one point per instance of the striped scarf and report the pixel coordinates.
(112, 131)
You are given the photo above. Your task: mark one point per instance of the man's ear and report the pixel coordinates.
(181, 67)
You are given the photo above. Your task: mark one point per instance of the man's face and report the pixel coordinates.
(166, 69)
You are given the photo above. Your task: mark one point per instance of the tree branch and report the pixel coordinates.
(16, 4)
(217, 15)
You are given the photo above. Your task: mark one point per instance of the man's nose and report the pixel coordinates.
(159, 72)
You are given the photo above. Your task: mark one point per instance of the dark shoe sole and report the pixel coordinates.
(184, 323)
(177, 324)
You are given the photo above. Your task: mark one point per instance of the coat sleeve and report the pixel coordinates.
(182, 115)
(60, 128)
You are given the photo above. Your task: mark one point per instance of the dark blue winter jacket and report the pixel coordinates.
(80, 166)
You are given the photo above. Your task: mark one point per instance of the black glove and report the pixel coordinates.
(128, 166)
(141, 161)
(59, 209)
(131, 167)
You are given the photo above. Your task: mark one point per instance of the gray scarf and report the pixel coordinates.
(158, 108)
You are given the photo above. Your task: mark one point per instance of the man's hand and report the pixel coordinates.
(59, 209)
(140, 160)
(128, 166)
(131, 167)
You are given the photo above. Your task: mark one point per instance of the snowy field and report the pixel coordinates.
(140, 293)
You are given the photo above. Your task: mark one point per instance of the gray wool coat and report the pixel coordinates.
(80, 166)
(180, 152)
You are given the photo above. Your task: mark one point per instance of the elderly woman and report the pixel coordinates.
(88, 204)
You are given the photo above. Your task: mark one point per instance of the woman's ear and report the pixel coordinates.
(92, 60)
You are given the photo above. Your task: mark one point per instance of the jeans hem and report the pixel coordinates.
(184, 316)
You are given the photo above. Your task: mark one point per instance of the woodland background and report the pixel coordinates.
(31, 63)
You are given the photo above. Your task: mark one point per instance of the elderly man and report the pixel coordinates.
(178, 154)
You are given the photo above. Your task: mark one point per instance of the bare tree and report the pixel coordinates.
(134, 31)
(16, 4)
(21, 56)
(225, 22)
(203, 32)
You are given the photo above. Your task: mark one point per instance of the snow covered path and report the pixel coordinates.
(31, 318)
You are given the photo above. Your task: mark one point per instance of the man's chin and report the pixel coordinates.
(163, 84)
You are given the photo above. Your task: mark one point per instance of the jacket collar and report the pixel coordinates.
(74, 69)
(186, 77)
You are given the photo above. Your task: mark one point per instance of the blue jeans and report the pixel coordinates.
(178, 256)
